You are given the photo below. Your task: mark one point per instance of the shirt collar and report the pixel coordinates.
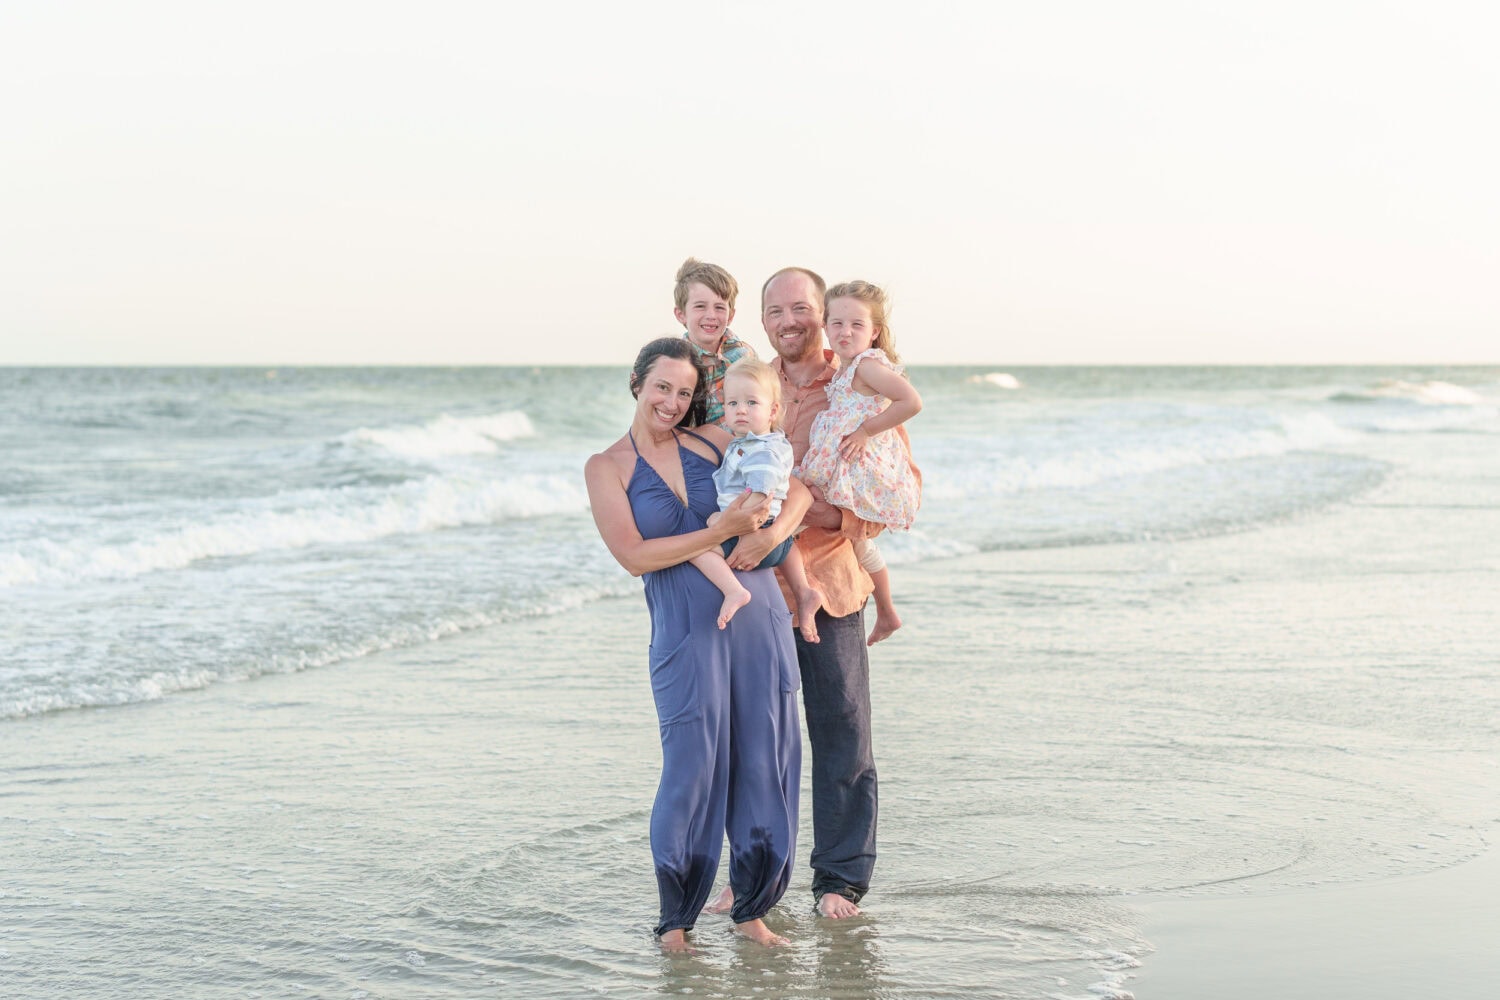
(767, 436)
(725, 343)
(830, 368)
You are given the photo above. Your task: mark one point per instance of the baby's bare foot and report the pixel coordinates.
(809, 600)
(886, 622)
(732, 603)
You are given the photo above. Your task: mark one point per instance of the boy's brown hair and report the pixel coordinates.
(712, 276)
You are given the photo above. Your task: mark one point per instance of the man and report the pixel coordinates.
(836, 669)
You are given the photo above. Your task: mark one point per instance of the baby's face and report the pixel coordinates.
(748, 408)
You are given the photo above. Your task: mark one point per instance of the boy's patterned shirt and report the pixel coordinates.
(730, 351)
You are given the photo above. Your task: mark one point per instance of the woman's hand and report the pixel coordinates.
(854, 443)
(752, 548)
(744, 515)
(608, 474)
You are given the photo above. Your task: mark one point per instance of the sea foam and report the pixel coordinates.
(122, 685)
(1000, 473)
(1400, 406)
(445, 436)
(307, 518)
(1433, 392)
(1000, 380)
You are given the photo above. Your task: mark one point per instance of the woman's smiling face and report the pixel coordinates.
(666, 393)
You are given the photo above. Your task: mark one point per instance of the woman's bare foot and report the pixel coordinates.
(675, 942)
(809, 600)
(722, 903)
(757, 931)
(732, 603)
(836, 907)
(886, 622)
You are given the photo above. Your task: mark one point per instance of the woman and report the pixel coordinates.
(725, 698)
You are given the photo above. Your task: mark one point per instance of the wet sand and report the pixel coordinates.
(1431, 935)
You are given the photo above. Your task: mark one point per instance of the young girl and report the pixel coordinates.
(759, 460)
(855, 457)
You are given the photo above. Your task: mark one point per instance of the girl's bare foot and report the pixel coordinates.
(809, 600)
(836, 907)
(757, 931)
(886, 622)
(675, 941)
(722, 903)
(732, 603)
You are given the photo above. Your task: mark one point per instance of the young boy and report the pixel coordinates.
(705, 295)
(758, 459)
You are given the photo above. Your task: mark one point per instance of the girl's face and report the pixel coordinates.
(748, 408)
(666, 393)
(850, 328)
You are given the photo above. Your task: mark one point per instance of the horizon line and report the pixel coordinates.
(16, 365)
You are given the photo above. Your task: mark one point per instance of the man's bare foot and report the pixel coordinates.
(732, 603)
(886, 622)
(722, 903)
(809, 601)
(836, 907)
(675, 942)
(757, 931)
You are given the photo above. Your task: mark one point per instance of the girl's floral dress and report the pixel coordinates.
(880, 485)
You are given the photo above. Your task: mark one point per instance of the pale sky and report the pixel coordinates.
(1055, 182)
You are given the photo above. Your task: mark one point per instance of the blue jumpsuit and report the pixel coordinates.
(726, 702)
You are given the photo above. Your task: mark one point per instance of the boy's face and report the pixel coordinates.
(706, 317)
(748, 408)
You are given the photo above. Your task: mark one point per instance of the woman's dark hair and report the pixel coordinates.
(673, 347)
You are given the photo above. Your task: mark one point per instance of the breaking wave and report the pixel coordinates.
(446, 436)
(295, 521)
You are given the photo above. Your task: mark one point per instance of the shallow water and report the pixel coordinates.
(162, 530)
(1301, 699)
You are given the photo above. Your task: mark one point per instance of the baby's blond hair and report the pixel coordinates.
(765, 376)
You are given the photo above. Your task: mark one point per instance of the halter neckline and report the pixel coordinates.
(718, 455)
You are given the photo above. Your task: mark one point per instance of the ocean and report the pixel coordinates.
(1188, 629)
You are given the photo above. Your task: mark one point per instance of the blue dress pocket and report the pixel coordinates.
(674, 683)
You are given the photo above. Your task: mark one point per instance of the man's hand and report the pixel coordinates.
(750, 550)
(822, 515)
